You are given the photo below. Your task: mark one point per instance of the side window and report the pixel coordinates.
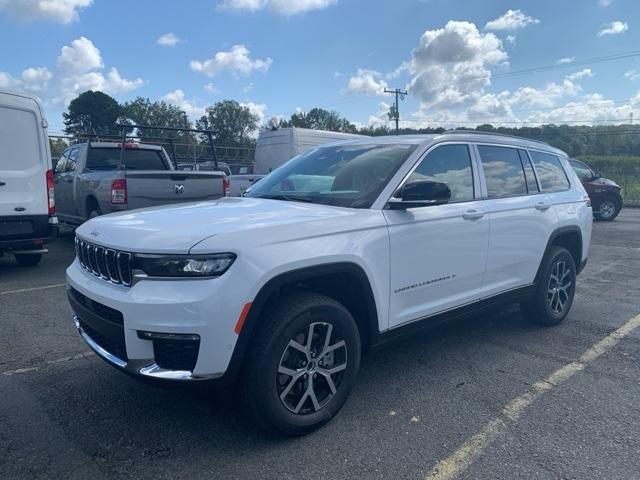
(532, 185)
(583, 171)
(72, 160)
(503, 171)
(550, 172)
(451, 165)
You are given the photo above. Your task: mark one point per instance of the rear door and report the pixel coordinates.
(64, 182)
(151, 188)
(151, 182)
(23, 159)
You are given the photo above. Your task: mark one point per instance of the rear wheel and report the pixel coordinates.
(608, 209)
(28, 260)
(555, 289)
(303, 364)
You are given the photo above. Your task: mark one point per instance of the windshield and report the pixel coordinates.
(100, 158)
(342, 175)
(583, 171)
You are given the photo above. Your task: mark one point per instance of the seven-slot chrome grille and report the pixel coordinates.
(109, 264)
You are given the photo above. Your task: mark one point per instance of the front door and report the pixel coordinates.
(439, 252)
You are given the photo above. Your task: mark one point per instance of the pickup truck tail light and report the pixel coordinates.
(119, 191)
(51, 200)
(226, 186)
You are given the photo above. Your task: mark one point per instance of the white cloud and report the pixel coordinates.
(211, 88)
(605, 3)
(60, 11)
(337, 74)
(282, 7)
(178, 98)
(613, 28)
(511, 39)
(7, 81)
(36, 79)
(81, 56)
(566, 60)
(512, 20)
(168, 40)
(451, 64)
(632, 75)
(366, 82)
(258, 109)
(237, 61)
(584, 73)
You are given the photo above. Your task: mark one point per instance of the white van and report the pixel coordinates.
(275, 147)
(27, 206)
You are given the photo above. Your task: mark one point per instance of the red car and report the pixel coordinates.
(605, 196)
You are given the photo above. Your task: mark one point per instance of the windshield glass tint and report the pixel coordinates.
(343, 175)
(109, 159)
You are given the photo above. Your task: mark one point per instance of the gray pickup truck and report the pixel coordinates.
(96, 178)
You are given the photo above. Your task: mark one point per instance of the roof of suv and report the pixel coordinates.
(461, 136)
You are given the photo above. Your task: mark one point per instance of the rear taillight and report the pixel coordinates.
(226, 186)
(51, 200)
(119, 191)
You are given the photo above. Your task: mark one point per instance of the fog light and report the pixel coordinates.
(185, 337)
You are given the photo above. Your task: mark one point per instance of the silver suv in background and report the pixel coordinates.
(96, 178)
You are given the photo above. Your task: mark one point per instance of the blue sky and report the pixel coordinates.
(457, 58)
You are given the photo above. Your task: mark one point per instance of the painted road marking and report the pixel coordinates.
(35, 368)
(464, 457)
(33, 289)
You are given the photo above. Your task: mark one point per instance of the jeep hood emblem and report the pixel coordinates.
(178, 188)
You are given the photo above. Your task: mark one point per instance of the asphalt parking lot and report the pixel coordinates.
(488, 397)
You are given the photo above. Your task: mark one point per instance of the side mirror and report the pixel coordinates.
(597, 175)
(421, 193)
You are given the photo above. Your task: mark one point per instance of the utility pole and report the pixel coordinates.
(394, 111)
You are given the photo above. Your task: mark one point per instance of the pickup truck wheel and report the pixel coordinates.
(608, 209)
(303, 364)
(554, 291)
(26, 260)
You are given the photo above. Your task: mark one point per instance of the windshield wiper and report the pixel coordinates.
(288, 198)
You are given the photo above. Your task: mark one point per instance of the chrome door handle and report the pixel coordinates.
(472, 215)
(542, 206)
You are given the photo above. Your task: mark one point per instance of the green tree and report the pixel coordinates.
(232, 123)
(320, 119)
(143, 111)
(91, 112)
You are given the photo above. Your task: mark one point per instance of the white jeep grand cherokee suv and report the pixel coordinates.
(336, 252)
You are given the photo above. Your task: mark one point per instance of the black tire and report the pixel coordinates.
(28, 260)
(554, 291)
(608, 210)
(263, 384)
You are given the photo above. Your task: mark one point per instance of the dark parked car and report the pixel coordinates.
(605, 196)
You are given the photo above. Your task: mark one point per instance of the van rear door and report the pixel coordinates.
(23, 158)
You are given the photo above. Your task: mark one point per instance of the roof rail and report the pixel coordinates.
(483, 132)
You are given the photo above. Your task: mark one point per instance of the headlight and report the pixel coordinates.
(183, 265)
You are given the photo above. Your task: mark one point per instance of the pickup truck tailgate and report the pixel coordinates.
(152, 188)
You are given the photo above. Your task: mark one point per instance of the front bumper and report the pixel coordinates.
(112, 320)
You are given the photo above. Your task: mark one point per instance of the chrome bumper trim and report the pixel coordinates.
(144, 368)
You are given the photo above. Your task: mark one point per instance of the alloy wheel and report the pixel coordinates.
(559, 289)
(607, 209)
(311, 368)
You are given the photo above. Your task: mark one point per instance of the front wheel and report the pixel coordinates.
(608, 210)
(554, 290)
(302, 365)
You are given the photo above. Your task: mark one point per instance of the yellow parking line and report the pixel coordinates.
(462, 458)
(33, 289)
(47, 363)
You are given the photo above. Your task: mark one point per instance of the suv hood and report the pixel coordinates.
(177, 228)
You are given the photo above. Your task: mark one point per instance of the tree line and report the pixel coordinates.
(233, 124)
